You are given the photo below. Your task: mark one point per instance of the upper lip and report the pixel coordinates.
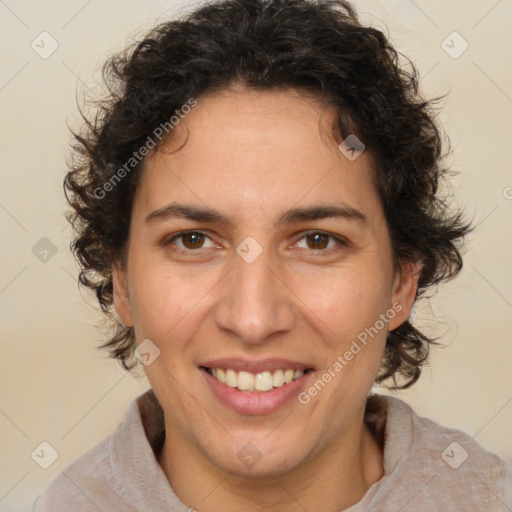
(269, 365)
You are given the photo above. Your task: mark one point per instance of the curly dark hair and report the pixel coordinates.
(314, 45)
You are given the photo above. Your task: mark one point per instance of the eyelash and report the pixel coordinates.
(342, 242)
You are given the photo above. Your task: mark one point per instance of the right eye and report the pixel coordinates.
(191, 240)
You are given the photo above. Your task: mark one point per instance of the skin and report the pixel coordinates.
(253, 155)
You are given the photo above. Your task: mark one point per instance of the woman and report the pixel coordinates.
(257, 202)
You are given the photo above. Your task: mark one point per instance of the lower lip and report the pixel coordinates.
(256, 403)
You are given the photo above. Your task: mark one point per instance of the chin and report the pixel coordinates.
(253, 459)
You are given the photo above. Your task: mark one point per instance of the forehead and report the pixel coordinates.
(247, 151)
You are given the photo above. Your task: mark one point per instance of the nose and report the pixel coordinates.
(255, 301)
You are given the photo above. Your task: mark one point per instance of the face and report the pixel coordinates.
(253, 287)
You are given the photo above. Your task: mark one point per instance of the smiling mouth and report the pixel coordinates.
(255, 383)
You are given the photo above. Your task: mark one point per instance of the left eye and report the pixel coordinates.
(318, 240)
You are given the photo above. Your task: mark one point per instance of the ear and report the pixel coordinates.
(404, 292)
(121, 296)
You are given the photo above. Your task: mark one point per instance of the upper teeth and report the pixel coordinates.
(263, 381)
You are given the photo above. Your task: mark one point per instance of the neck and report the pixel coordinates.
(332, 480)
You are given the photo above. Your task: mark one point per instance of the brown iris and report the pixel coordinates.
(196, 240)
(316, 237)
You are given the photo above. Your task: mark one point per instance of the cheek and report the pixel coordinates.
(169, 304)
(345, 301)
(161, 301)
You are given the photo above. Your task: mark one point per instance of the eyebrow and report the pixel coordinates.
(293, 215)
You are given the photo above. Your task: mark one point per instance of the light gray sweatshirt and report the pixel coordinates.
(427, 468)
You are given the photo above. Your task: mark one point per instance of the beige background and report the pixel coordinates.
(55, 387)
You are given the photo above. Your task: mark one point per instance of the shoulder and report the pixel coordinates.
(448, 466)
(90, 482)
(80, 483)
